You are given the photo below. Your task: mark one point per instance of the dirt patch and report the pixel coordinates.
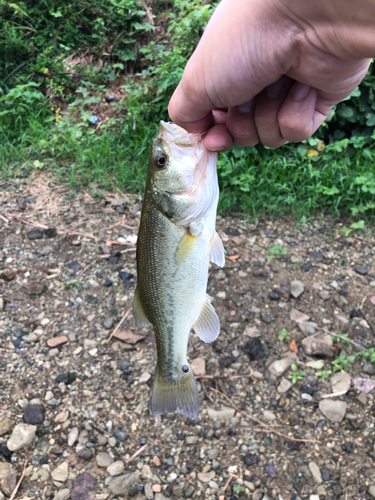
(265, 429)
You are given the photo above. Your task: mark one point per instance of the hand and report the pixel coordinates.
(270, 71)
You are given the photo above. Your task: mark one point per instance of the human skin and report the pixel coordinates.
(270, 71)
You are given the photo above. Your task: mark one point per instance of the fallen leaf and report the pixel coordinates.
(233, 258)
(317, 365)
(129, 337)
(293, 346)
(365, 385)
(312, 152)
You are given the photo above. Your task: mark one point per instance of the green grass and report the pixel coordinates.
(333, 172)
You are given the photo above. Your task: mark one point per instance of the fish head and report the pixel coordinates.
(183, 174)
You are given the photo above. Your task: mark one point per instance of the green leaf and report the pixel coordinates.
(346, 112)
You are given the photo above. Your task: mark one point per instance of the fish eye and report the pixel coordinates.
(185, 368)
(161, 161)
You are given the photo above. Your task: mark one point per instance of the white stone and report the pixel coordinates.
(61, 472)
(22, 436)
(116, 468)
(333, 410)
(340, 382)
(198, 365)
(315, 472)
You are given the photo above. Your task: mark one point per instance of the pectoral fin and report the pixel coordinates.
(138, 312)
(217, 250)
(185, 247)
(207, 326)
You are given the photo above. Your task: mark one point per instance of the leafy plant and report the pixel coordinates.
(341, 338)
(342, 362)
(276, 251)
(368, 355)
(355, 225)
(238, 488)
(284, 335)
(296, 374)
(324, 374)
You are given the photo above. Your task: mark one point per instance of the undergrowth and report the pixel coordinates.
(57, 73)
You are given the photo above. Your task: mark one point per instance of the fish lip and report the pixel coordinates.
(170, 132)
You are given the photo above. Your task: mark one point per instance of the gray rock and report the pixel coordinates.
(72, 436)
(280, 366)
(63, 494)
(284, 386)
(61, 472)
(22, 436)
(368, 368)
(120, 484)
(213, 453)
(266, 318)
(108, 323)
(5, 469)
(224, 413)
(296, 288)
(315, 472)
(104, 459)
(84, 453)
(340, 382)
(371, 491)
(30, 338)
(8, 484)
(34, 414)
(333, 410)
(46, 250)
(319, 345)
(116, 468)
(298, 316)
(148, 491)
(307, 327)
(325, 295)
(5, 425)
(191, 439)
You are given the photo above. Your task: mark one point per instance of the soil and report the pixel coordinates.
(81, 375)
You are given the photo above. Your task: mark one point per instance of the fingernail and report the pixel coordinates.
(218, 150)
(301, 91)
(246, 107)
(274, 90)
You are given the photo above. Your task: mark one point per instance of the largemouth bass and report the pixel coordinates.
(176, 242)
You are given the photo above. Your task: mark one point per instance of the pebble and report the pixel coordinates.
(315, 472)
(222, 414)
(340, 382)
(325, 295)
(284, 386)
(191, 440)
(61, 472)
(172, 476)
(6, 425)
(298, 316)
(121, 484)
(269, 415)
(121, 435)
(274, 296)
(296, 288)
(361, 270)
(271, 471)
(34, 414)
(35, 234)
(8, 484)
(72, 436)
(146, 472)
(116, 468)
(22, 436)
(47, 250)
(62, 416)
(63, 494)
(206, 477)
(333, 410)
(368, 368)
(307, 327)
(371, 491)
(254, 349)
(320, 345)
(104, 459)
(57, 341)
(148, 491)
(198, 365)
(266, 318)
(250, 459)
(280, 366)
(108, 323)
(84, 453)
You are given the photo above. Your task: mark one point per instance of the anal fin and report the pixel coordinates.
(138, 312)
(207, 326)
(217, 250)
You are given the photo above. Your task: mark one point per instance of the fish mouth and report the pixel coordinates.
(170, 132)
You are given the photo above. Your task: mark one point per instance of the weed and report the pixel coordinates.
(342, 362)
(356, 225)
(296, 374)
(284, 334)
(238, 488)
(324, 374)
(276, 251)
(368, 355)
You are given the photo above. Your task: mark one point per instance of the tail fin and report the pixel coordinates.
(169, 396)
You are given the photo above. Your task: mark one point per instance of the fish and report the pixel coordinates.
(176, 241)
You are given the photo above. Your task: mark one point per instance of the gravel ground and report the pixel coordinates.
(76, 372)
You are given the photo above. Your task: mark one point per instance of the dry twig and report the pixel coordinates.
(118, 326)
(135, 455)
(19, 482)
